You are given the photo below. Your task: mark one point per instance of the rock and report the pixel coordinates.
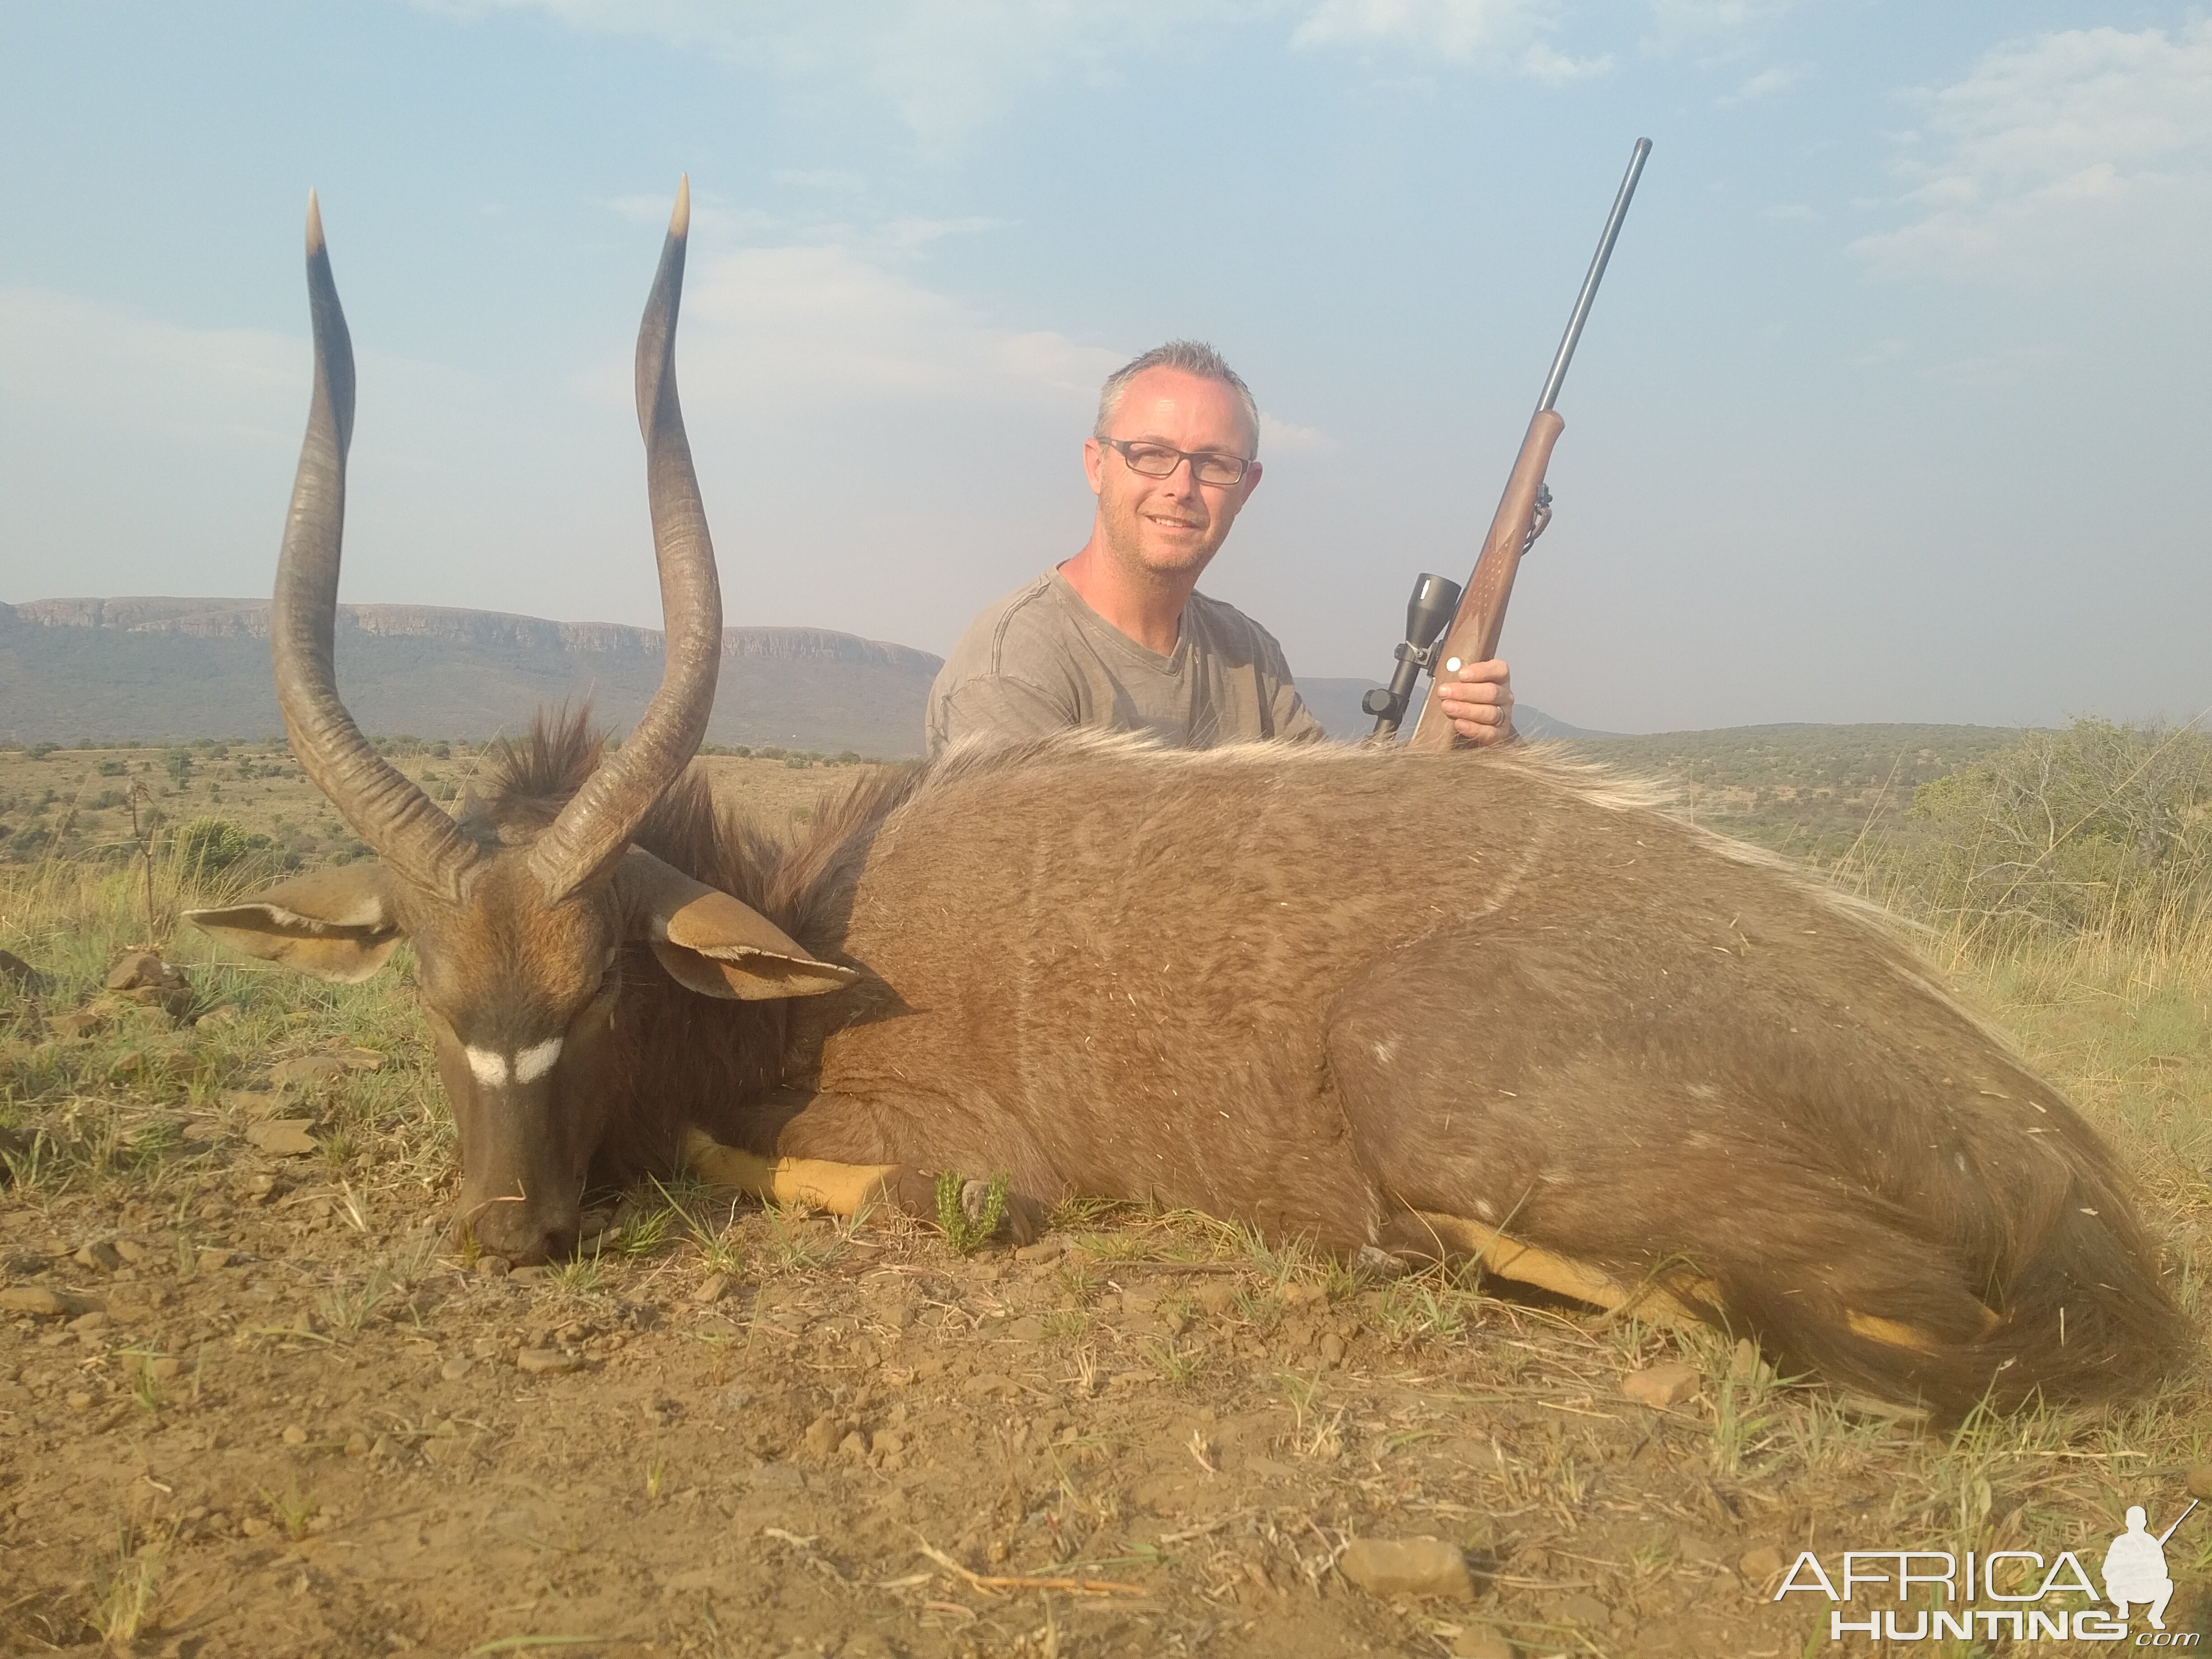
(1662, 1386)
(103, 1256)
(456, 1368)
(493, 1267)
(886, 1443)
(1332, 1349)
(167, 1367)
(213, 1258)
(360, 1059)
(15, 971)
(253, 1526)
(536, 1273)
(1480, 1642)
(206, 1129)
(1407, 1566)
(254, 1102)
(42, 1303)
(1758, 1566)
(282, 1137)
(357, 1445)
(132, 1251)
(2200, 1481)
(94, 1320)
(78, 1023)
(822, 1436)
(78, 1401)
(713, 1288)
(295, 1436)
(547, 1362)
(1216, 1296)
(143, 970)
(1028, 1328)
(307, 1071)
(1045, 1249)
(853, 1447)
(1585, 1609)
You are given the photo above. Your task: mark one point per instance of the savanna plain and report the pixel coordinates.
(254, 1400)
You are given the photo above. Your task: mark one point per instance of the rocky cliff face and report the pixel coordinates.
(487, 629)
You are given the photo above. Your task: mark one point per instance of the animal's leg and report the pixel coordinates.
(1431, 1233)
(841, 1188)
(855, 1151)
(1503, 1082)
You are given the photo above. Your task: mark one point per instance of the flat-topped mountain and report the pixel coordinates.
(156, 669)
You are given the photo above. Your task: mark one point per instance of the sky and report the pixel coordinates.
(1885, 411)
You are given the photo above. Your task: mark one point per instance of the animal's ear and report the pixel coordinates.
(338, 924)
(712, 943)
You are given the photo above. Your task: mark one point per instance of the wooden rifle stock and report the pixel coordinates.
(1473, 635)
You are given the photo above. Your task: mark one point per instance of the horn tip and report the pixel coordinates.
(314, 225)
(679, 223)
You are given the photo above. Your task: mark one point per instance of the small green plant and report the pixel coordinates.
(344, 1309)
(292, 1508)
(124, 1587)
(967, 1234)
(147, 1392)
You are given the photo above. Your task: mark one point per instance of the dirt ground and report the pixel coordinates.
(267, 1415)
(252, 1403)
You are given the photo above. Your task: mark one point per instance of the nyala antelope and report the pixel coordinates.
(1473, 1003)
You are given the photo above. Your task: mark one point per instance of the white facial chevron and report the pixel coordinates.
(495, 1070)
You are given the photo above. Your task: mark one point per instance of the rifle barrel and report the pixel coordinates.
(1574, 333)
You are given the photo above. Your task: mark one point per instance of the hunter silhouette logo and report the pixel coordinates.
(2135, 1566)
(1936, 1594)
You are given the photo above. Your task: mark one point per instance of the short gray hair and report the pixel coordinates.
(1191, 357)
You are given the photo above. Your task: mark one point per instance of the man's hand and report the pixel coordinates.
(1479, 703)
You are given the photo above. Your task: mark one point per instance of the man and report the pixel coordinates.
(1118, 638)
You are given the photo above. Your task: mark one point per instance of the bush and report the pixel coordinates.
(112, 769)
(207, 844)
(2095, 827)
(177, 763)
(40, 751)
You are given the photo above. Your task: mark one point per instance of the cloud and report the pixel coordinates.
(946, 69)
(2078, 149)
(1789, 213)
(222, 387)
(824, 325)
(1761, 85)
(1677, 23)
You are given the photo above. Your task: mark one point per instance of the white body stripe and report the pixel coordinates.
(490, 1068)
(533, 1062)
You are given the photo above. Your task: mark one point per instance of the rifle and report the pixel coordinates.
(1477, 614)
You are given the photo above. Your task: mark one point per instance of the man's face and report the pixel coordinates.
(1171, 525)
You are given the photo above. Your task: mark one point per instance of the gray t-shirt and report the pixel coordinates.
(1041, 660)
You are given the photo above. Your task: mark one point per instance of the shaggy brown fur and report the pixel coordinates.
(1320, 989)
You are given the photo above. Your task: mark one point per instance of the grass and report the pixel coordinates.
(2116, 1006)
(965, 1233)
(126, 1587)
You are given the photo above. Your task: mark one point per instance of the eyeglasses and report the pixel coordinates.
(1158, 461)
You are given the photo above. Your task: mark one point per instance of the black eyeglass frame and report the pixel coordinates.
(1212, 456)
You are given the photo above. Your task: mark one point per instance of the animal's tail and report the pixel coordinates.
(2018, 1269)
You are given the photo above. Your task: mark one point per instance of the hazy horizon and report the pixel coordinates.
(1884, 413)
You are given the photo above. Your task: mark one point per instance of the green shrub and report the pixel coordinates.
(205, 846)
(2098, 826)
